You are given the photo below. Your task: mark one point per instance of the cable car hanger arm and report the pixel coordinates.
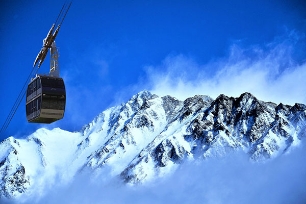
(48, 41)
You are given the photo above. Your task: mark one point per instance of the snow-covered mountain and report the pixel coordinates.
(148, 137)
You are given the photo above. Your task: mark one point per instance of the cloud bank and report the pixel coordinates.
(271, 73)
(231, 179)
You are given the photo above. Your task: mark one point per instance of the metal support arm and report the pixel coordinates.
(54, 66)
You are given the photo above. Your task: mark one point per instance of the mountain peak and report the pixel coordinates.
(144, 95)
(298, 107)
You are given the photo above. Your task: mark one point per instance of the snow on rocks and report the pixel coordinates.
(149, 137)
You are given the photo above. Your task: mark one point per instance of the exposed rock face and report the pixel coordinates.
(150, 136)
(13, 175)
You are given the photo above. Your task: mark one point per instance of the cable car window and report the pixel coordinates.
(28, 91)
(32, 106)
(34, 85)
(53, 102)
(28, 109)
(39, 102)
(30, 88)
(49, 82)
(35, 105)
(38, 83)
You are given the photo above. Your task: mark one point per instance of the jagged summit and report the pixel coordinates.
(150, 136)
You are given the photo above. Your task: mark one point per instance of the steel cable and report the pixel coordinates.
(17, 102)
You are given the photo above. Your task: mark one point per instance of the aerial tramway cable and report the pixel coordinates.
(61, 13)
(17, 101)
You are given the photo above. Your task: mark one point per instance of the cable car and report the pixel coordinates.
(45, 99)
(46, 94)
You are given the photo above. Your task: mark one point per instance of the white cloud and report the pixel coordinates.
(232, 179)
(269, 73)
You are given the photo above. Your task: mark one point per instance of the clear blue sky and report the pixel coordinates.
(110, 50)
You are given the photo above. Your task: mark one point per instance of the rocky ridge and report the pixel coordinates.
(149, 136)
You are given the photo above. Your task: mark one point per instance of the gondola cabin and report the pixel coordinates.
(45, 99)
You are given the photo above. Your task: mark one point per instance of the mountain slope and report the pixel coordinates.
(150, 136)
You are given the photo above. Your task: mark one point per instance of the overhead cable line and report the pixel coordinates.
(17, 102)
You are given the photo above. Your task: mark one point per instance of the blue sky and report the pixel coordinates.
(110, 50)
